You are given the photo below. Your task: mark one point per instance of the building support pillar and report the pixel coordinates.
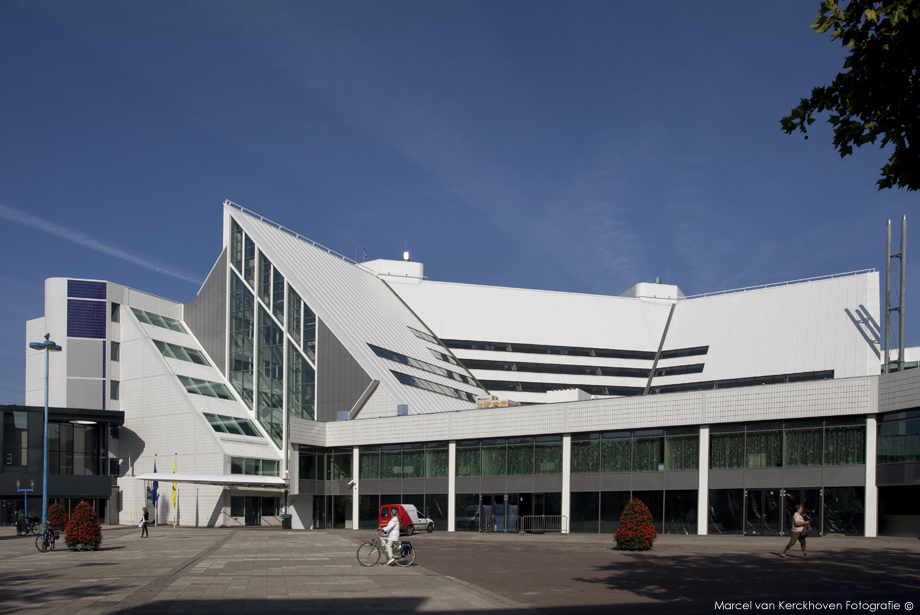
(451, 485)
(871, 505)
(355, 490)
(702, 495)
(566, 482)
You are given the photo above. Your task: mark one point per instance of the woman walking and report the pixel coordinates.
(798, 524)
(144, 520)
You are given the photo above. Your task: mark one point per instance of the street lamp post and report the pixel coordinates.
(47, 346)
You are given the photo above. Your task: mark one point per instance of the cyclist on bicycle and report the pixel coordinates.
(391, 534)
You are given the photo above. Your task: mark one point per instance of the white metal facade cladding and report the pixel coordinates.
(358, 308)
(830, 324)
(899, 390)
(804, 327)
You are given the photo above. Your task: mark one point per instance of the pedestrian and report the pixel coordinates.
(391, 533)
(798, 524)
(21, 522)
(144, 520)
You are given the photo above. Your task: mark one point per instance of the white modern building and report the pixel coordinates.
(301, 382)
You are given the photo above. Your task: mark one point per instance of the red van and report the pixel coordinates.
(409, 519)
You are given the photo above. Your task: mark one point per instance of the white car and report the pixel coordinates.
(425, 524)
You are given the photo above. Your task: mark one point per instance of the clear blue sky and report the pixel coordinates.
(573, 146)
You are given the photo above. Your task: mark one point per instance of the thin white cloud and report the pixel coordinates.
(82, 239)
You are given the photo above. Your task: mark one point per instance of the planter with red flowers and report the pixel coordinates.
(57, 517)
(636, 531)
(83, 532)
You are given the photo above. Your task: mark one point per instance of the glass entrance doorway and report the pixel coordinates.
(762, 512)
(252, 508)
(812, 503)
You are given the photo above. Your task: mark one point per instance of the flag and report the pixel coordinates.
(156, 484)
(174, 486)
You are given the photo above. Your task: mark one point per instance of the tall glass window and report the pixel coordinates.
(15, 441)
(648, 451)
(899, 440)
(616, 452)
(309, 464)
(413, 461)
(236, 246)
(270, 406)
(436, 461)
(265, 280)
(295, 315)
(520, 456)
(804, 447)
(309, 332)
(726, 451)
(241, 347)
(301, 385)
(494, 457)
(468, 461)
(277, 294)
(547, 455)
(764, 449)
(249, 261)
(586, 453)
(844, 446)
(390, 462)
(369, 462)
(682, 453)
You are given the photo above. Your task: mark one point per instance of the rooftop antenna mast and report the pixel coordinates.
(902, 292)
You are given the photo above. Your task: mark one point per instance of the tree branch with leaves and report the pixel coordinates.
(877, 96)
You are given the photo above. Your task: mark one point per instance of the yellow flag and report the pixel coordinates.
(174, 485)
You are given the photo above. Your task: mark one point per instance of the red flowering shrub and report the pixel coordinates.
(83, 527)
(636, 527)
(57, 517)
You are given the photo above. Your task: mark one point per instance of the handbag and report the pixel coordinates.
(806, 530)
(141, 524)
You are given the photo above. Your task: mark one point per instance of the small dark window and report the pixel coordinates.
(114, 312)
(116, 350)
(114, 390)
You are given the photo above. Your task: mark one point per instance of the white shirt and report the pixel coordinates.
(392, 529)
(796, 519)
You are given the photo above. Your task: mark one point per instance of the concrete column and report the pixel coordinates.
(566, 482)
(355, 491)
(702, 495)
(871, 488)
(451, 484)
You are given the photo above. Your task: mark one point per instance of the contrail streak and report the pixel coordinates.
(82, 239)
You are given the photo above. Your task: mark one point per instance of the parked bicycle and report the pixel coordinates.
(44, 542)
(369, 553)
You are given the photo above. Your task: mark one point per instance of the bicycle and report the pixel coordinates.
(44, 542)
(369, 553)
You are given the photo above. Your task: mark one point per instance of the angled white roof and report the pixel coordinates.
(359, 309)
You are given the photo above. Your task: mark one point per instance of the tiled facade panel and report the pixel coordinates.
(85, 289)
(85, 393)
(85, 358)
(161, 421)
(899, 391)
(206, 316)
(340, 380)
(380, 404)
(86, 318)
(35, 364)
(818, 399)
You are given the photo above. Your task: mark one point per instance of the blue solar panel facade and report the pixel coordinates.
(85, 290)
(86, 318)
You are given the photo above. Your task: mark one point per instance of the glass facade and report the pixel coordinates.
(232, 425)
(197, 386)
(254, 467)
(521, 456)
(242, 316)
(647, 450)
(236, 246)
(776, 444)
(270, 400)
(295, 316)
(174, 351)
(301, 385)
(404, 461)
(325, 464)
(899, 437)
(164, 322)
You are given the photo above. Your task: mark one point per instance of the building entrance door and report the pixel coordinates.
(252, 508)
(500, 512)
(762, 512)
(812, 501)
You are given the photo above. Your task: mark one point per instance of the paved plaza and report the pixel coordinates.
(261, 570)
